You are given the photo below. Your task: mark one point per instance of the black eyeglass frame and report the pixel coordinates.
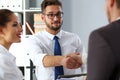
(51, 15)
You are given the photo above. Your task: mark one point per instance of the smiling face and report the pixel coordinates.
(53, 18)
(12, 31)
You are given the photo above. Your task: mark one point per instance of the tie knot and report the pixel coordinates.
(55, 38)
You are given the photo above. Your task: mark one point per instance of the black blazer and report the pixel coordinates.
(104, 53)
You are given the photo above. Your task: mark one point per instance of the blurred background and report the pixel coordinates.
(80, 17)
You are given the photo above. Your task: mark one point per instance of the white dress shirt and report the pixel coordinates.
(8, 68)
(42, 43)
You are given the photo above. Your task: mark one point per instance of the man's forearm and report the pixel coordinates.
(51, 61)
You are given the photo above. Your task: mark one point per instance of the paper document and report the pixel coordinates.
(65, 79)
(73, 78)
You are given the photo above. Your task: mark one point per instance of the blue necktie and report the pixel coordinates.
(57, 51)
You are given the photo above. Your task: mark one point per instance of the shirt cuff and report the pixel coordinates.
(39, 59)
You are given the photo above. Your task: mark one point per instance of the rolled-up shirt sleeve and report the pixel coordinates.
(38, 59)
(35, 51)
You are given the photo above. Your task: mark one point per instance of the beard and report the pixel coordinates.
(55, 28)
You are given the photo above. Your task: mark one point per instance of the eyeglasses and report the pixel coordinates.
(51, 16)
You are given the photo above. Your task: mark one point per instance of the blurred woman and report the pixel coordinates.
(10, 32)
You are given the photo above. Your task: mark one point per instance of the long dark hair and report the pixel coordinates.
(5, 16)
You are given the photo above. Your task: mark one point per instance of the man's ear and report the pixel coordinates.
(1, 30)
(42, 17)
(112, 2)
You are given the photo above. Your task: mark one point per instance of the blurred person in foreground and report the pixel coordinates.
(104, 47)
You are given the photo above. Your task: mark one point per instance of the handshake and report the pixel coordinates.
(72, 61)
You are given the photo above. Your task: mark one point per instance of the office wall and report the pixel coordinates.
(83, 16)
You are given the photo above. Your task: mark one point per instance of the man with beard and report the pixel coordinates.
(104, 47)
(41, 45)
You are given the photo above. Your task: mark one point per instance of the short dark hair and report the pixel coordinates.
(46, 3)
(5, 16)
(118, 3)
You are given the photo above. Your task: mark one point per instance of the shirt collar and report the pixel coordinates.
(118, 18)
(51, 36)
(4, 51)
